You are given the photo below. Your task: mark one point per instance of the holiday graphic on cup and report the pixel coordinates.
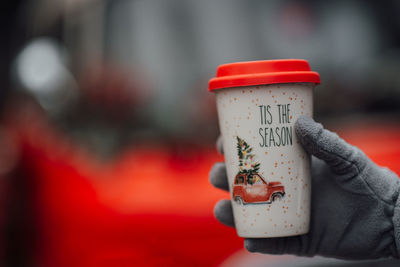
(268, 171)
(249, 186)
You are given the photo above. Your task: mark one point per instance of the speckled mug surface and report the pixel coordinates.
(268, 170)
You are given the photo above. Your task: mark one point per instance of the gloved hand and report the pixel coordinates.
(355, 204)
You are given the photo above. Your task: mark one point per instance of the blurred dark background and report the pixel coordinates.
(107, 128)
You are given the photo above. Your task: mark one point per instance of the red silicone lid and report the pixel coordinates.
(263, 72)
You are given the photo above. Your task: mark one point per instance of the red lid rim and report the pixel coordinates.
(263, 72)
(263, 79)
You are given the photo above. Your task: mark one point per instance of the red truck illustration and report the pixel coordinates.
(251, 188)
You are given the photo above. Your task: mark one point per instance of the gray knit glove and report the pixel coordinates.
(355, 210)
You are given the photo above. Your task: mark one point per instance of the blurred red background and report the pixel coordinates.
(107, 129)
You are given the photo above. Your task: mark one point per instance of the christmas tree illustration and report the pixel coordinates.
(247, 163)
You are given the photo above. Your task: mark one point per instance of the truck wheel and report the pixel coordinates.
(277, 196)
(239, 200)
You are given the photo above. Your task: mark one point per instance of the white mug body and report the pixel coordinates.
(268, 170)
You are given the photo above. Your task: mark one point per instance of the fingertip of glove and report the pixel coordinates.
(307, 130)
(217, 175)
(250, 245)
(305, 125)
(302, 119)
(223, 212)
(217, 168)
(221, 205)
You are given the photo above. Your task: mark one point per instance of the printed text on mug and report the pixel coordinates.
(281, 135)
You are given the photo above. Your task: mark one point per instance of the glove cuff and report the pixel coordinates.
(396, 226)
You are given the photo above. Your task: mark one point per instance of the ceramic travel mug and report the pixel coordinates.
(268, 171)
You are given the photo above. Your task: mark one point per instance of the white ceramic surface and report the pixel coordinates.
(263, 118)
